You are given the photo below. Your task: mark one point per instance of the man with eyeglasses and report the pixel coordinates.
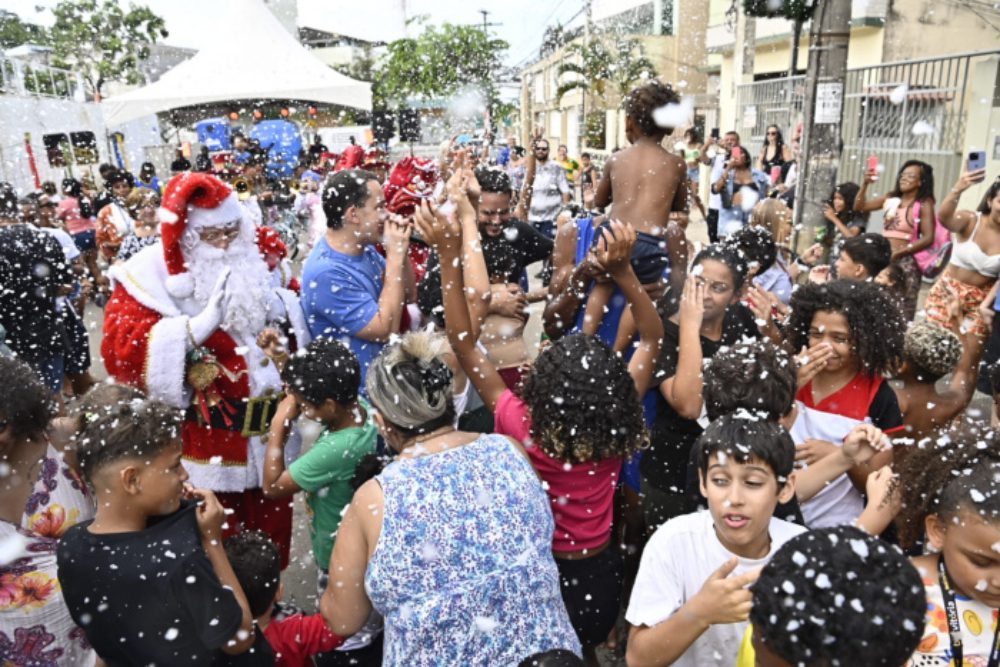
(549, 191)
(196, 321)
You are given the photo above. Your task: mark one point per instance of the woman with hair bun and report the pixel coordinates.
(451, 543)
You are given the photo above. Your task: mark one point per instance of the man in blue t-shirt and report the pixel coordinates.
(349, 291)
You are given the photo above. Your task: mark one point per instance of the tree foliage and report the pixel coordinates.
(15, 32)
(441, 61)
(102, 41)
(608, 63)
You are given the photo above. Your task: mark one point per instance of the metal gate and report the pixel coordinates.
(913, 110)
(773, 102)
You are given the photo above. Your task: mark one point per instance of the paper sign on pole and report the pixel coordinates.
(750, 117)
(829, 101)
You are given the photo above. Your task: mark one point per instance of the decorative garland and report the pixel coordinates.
(793, 10)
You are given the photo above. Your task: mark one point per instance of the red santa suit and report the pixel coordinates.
(163, 336)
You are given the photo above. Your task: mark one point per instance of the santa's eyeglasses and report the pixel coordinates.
(217, 234)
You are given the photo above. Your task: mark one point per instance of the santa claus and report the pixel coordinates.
(196, 321)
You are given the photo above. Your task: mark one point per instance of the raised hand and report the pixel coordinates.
(209, 319)
(614, 250)
(692, 308)
(396, 238)
(439, 230)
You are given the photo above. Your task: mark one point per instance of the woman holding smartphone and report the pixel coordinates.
(909, 220)
(740, 188)
(971, 274)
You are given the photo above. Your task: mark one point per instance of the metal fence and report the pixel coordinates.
(20, 78)
(772, 102)
(913, 110)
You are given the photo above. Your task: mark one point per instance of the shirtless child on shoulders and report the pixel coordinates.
(644, 184)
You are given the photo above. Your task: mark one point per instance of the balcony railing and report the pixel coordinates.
(20, 78)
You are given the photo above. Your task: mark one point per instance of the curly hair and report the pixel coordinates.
(643, 101)
(139, 428)
(955, 470)
(833, 583)
(932, 350)
(256, 563)
(756, 245)
(324, 370)
(26, 405)
(755, 376)
(874, 319)
(493, 179)
(583, 402)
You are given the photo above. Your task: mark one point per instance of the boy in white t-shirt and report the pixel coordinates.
(691, 599)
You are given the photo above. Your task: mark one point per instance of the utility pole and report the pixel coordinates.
(823, 108)
(582, 134)
(746, 46)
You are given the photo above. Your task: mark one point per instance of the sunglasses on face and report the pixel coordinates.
(772, 134)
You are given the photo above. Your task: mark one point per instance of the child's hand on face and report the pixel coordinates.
(811, 361)
(211, 515)
(811, 451)
(863, 442)
(692, 310)
(724, 599)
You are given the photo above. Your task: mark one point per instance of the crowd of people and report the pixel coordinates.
(715, 454)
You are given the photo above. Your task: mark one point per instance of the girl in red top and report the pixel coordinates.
(854, 335)
(578, 414)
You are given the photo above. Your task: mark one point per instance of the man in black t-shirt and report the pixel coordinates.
(500, 234)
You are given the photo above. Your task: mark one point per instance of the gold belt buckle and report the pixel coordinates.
(269, 404)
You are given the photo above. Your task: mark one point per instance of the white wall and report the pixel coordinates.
(40, 116)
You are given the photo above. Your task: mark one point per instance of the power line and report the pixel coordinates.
(532, 49)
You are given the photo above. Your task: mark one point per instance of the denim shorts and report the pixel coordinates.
(86, 240)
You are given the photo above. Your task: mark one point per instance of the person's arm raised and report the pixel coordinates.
(861, 202)
(390, 301)
(683, 390)
(444, 235)
(614, 252)
(955, 220)
(278, 482)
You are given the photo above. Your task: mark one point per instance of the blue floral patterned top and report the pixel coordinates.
(463, 569)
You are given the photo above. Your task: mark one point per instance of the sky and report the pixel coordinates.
(192, 23)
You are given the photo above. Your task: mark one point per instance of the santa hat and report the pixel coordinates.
(411, 180)
(192, 200)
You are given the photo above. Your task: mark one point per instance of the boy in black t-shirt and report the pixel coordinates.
(148, 579)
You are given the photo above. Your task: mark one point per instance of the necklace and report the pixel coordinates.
(411, 450)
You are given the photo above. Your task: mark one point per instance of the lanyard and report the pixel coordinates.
(954, 628)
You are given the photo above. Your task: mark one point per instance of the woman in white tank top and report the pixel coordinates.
(971, 274)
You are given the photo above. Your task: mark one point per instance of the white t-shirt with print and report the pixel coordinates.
(679, 557)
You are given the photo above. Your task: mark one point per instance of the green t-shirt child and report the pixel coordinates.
(325, 472)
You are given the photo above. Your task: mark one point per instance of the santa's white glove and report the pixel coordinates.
(204, 324)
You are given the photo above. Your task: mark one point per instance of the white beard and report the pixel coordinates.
(248, 289)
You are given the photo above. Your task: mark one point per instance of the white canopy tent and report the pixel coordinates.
(253, 57)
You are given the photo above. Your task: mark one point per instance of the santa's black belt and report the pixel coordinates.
(250, 417)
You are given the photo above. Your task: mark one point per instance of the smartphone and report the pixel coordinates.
(736, 154)
(977, 160)
(873, 163)
(775, 175)
(715, 133)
